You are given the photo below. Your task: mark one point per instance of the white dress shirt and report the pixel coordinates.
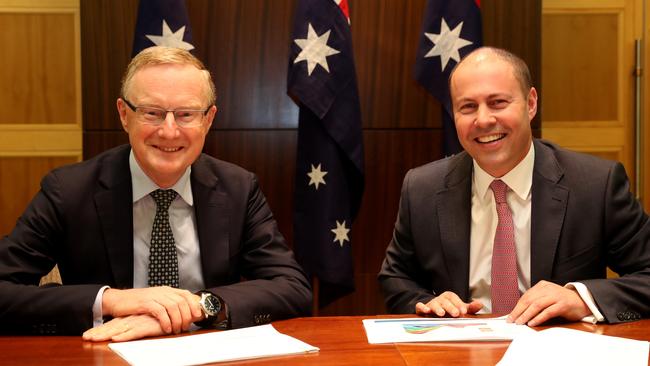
(484, 226)
(183, 224)
(182, 221)
(483, 229)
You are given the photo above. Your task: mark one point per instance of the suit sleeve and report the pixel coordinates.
(275, 286)
(29, 252)
(627, 235)
(400, 277)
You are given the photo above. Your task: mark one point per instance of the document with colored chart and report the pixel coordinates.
(441, 330)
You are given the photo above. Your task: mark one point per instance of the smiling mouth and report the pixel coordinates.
(168, 149)
(490, 138)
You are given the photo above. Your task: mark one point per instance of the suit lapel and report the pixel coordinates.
(549, 203)
(113, 201)
(212, 220)
(454, 215)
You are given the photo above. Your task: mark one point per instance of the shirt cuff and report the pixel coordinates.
(98, 317)
(585, 295)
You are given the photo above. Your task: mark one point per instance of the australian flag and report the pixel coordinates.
(329, 169)
(450, 30)
(162, 23)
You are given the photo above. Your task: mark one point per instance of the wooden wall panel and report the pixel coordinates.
(245, 44)
(385, 37)
(246, 47)
(644, 164)
(590, 105)
(40, 97)
(106, 40)
(37, 76)
(20, 179)
(576, 87)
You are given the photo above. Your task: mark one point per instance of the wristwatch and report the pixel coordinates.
(215, 311)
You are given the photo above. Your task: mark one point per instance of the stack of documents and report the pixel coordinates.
(239, 344)
(562, 346)
(441, 329)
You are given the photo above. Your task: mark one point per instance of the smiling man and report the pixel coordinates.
(151, 237)
(515, 225)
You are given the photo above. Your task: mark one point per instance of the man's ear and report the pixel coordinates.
(210, 117)
(121, 110)
(532, 103)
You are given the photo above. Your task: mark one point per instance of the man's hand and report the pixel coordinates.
(174, 309)
(447, 303)
(125, 329)
(545, 301)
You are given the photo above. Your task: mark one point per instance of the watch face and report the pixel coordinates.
(211, 304)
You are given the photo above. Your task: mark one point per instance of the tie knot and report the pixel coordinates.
(163, 198)
(499, 189)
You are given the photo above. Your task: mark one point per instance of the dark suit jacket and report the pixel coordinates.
(81, 219)
(583, 219)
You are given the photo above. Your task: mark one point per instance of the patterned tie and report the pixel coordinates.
(505, 290)
(163, 261)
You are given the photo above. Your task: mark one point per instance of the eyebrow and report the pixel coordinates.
(490, 96)
(184, 107)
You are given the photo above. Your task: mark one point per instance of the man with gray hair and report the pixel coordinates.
(154, 236)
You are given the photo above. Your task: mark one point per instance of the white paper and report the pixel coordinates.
(562, 346)
(239, 344)
(441, 329)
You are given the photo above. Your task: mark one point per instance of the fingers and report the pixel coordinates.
(422, 309)
(448, 303)
(527, 309)
(195, 312)
(165, 316)
(173, 312)
(105, 331)
(452, 305)
(190, 310)
(142, 326)
(174, 309)
(474, 307)
(125, 329)
(545, 301)
(531, 303)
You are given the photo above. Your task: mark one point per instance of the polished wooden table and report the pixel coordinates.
(342, 341)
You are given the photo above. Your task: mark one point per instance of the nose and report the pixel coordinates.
(168, 128)
(484, 116)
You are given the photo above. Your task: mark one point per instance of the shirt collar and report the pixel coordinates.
(143, 185)
(519, 179)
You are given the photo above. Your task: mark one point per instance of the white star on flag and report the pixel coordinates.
(315, 50)
(171, 39)
(447, 43)
(341, 233)
(316, 176)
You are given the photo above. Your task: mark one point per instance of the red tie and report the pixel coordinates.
(505, 291)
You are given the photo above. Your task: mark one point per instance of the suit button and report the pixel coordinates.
(628, 315)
